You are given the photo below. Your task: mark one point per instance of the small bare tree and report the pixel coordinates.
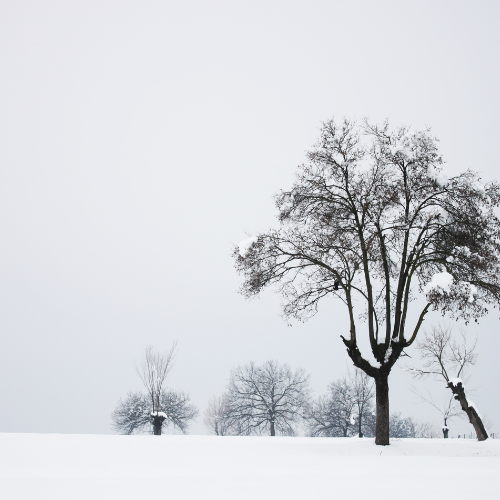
(333, 415)
(363, 389)
(158, 405)
(217, 418)
(268, 398)
(133, 414)
(448, 410)
(427, 430)
(214, 416)
(153, 372)
(345, 410)
(401, 427)
(448, 360)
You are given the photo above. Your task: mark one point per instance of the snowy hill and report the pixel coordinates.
(44, 466)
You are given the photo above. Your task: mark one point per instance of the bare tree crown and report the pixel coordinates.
(153, 372)
(447, 359)
(266, 398)
(371, 220)
(443, 356)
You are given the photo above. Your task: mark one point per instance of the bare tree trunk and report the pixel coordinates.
(157, 421)
(273, 432)
(474, 418)
(445, 429)
(382, 403)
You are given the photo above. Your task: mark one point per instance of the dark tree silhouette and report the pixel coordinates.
(371, 221)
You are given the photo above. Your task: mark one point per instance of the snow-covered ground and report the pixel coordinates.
(43, 466)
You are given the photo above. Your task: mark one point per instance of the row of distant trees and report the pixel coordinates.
(274, 399)
(271, 399)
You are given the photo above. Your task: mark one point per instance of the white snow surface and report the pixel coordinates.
(159, 414)
(77, 467)
(473, 405)
(441, 281)
(439, 174)
(245, 245)
(470, 289)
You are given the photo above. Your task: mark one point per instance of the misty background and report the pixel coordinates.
(141, 140)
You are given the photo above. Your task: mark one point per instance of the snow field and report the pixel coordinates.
(56, 467)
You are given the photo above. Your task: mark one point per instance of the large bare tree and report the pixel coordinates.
(372, 221)
(448, 360)
(270, 398)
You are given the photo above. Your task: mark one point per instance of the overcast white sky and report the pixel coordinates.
(140, 139)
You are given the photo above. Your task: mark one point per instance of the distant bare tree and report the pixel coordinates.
(345, 410)
(401, 427)
(448, 410)
(448, 360)
(158, 405)
(134, 413)
(268, 398)
(424, 429)
(333, 415)
(409, 427)
(214, 416)
(363, 389)
(217, 418)
(153, 372)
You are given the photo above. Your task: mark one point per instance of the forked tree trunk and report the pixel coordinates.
(381, 377)
(382, 403)
(157, 421)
